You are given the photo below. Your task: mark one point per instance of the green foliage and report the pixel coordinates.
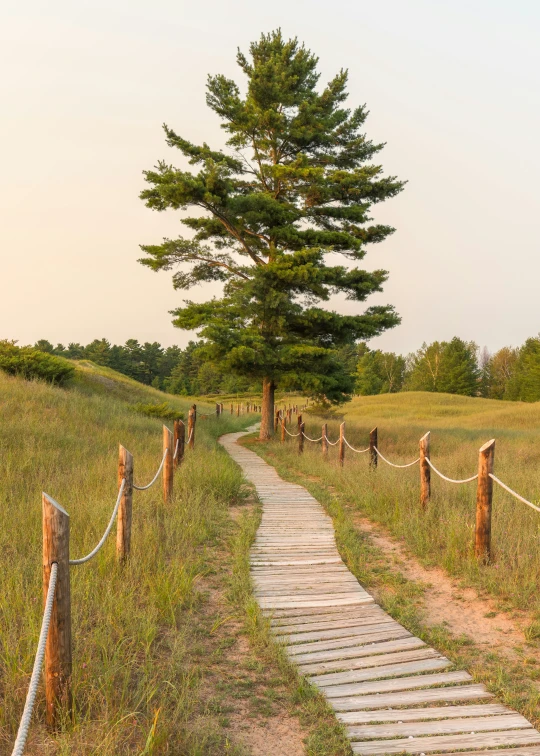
(159, 410)
(380, 372)
(445, 366)
(524, 384)
(299, 186)
(32, 364)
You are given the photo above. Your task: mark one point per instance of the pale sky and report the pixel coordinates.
(452, 87)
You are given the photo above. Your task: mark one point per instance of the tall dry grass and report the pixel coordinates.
(443, 533)
(135, 629)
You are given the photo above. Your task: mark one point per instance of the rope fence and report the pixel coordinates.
(57, 653)
(484, 477)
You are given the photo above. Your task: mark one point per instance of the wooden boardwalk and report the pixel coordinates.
(393, 693)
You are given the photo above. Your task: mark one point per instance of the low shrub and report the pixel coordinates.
(30, 363)
(164, 411)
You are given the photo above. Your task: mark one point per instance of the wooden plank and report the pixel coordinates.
(445, 743)
(511, 721)
(411, 697)
(369, 661)
(398, 683)
(342, 632)
(414, 715)
(375, 619)
(356, 640)
(375, 673)
(268, 603)
(354, 650)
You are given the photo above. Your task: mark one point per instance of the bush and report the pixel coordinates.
(30, 363)
(159, 410)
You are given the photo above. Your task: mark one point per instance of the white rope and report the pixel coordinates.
(410, 464)
(358, 451)
(176, 450)
(332, 443)
(190, 436)
(107, 531)
(506, 488)
(315, 440)
(22, 734)
(143, 488)
(292, 435)
(450, 480)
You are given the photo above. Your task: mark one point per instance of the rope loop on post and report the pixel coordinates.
(292, 435)
(107, 530)
(143, 488)
(449, 480)
(332, 443)
(410, 464)
(358, 451)
(510, 491)
(22, 733)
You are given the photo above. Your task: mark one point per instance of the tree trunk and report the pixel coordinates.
(267, 418)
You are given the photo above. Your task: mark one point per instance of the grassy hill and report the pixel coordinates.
(169, 653)
(443, 533)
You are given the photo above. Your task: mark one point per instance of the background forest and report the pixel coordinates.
(454, 367)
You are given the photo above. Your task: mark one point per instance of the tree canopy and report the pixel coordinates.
(296, 184)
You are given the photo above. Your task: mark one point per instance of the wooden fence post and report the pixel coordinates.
(123, 522)
(168, 466)
(221, 408)
(372, 444)
(324, 441)
(179, 441)
(425, 470)
(232, 409)
(342, 444)
(276, 421)
(192, 418)
(283, 430)
(299, 421)
(218, 409)
(58, 660)
(484, 495)
(301, 438)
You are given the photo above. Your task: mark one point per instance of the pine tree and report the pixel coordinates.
(296, 184)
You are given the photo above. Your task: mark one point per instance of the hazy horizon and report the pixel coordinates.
(452, 89)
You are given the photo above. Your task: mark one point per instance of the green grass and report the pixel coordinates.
(137, 630)
(443, 533)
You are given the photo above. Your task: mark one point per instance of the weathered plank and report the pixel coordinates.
(411, 697)
(414, 715)
(399, 683)
(510, 721)
(445, 743)
(378, 673)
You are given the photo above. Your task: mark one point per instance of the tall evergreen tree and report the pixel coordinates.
(296, 184)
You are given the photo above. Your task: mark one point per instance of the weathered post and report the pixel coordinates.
(301, 438)
(168, 465)
(218, 409)
(283, 430)
(221, 408)
(276, 421)
(123, 522)
(324, 441)
(191, 428)
(58, 661)
(484, 496)
(179, 442)
(342, 444)
(425, 470)
(299, 421)
(372, 448)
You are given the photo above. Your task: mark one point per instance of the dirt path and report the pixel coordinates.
(461, 610)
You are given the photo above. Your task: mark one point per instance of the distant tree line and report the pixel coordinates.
(453, 367)
(172, 369)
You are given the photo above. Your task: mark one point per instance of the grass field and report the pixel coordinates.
(160, 664)
(443, 533)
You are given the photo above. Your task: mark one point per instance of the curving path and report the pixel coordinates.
(393, 693)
